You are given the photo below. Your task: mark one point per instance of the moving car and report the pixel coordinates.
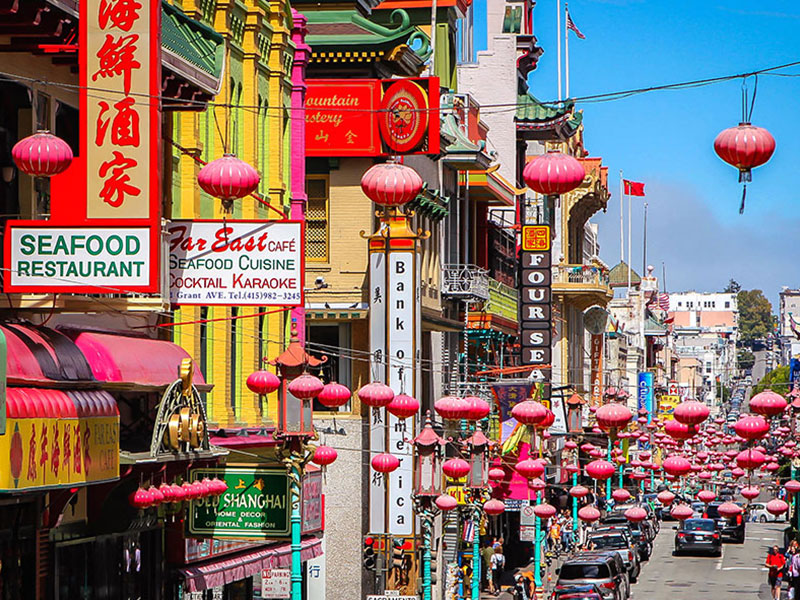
(642, 534)
(623, 544)
(603, 569)
(729, 527)
(698, 535)
(578, 592)
(757, 512)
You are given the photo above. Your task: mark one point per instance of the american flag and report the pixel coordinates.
(468, 534)
(571, 25)
(663, 302)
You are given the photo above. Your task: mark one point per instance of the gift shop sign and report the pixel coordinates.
(242, 263)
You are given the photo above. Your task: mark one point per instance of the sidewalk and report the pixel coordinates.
(507, 581)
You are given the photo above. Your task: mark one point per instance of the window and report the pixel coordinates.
(328, 339)
(317, 218)
(727, 305)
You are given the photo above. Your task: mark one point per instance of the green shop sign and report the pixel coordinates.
(255, 505)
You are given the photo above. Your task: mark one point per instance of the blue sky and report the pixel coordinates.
(665, 139)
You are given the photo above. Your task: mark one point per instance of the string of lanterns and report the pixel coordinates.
(152, 496)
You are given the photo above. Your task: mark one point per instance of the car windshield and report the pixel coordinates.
(608, 541)
(698, 525)
(584, 571)
(712, 512)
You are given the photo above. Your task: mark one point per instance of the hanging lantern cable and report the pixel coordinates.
(745, 175)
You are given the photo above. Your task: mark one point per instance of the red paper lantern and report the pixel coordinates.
(750, 459)
(751, 492)
(588, 514)
(571, 468)
(496, 474)
(263, 382)
(403, 406)
(706, 496)
(745, 147)
(529, 412)
(751, 427)
(613, 416)
(493, 507)
(385, 462)
(140, 498)
(391, 184)
(305, 387)
(228, 179)
(42, 154)
(777, 507)
(334, 395)
(600, 469)
(189, 491)
(635, 514)
(166, 492)
(529, 468)
(691, 412)
(324, 455)
(729, 509)
(578, 491)
(678, 431)
(455, 468)
(792, 486)
(451, 408)
(570, 445)
(178, 493)
(445, 502)
(553, 173)
(665, 497)
(376, 394)
(544, 510)
(478, 408)
(537, 485)
(621, 495)
(676, 466)
(768, 403)
(681, 512)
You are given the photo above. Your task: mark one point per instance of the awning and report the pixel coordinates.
(32, 403)
(490, 187)
(38, 354)
(237, 567)
(136, 363)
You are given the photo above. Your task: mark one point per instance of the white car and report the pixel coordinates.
(758, 512)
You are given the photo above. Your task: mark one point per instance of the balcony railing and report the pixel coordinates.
(586, 275)
(469, 283)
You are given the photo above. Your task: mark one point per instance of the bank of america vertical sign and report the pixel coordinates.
(535, 302)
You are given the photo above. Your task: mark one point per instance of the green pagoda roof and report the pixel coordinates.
(618, 276)
(532, 114)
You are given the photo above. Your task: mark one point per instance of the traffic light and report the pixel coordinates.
(369, 553)
(398, 556)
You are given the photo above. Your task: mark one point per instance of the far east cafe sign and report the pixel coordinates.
(104, 232)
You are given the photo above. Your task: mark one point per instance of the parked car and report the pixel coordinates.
(642, 534)
(623, 544)
(729, 527)
(603, 569)
(698, 535)
(578, 592)
(758, 512)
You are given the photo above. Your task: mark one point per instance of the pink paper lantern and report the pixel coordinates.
(375, 394)
(324, 455)
(635, 514)
(665, 497)
(263, 382)
(451, 408)
(676, 466)
(305, 387)
(455, 468)
(729, 509)
(529, 468)
(544, 510)
(445, 502)
(391, 184)
(228, 178)
(588, 514)
(385, 462)
(578, 491)
(478, 408)
(621, 495)
(706, 496)
(768, 403)
(529, 412)
(493, 507)
(613, 416)
(334, 395)
(681, 512)
(600, 469)
(751, 427)
(553, 173)
(691, 412)
(777, 507)
(42, 154)
(403, 406)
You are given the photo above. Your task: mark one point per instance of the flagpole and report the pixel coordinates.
(558, 37)
(566, 49)
(644, 241)
(629, 244)
(621, 218)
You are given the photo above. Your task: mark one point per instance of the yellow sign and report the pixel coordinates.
(458, 492)
(536, 238)
(666, 406)
(50, 452)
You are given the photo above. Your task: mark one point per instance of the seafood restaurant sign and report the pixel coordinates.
(242, 263)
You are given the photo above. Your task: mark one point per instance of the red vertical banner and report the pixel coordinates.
(596, 369)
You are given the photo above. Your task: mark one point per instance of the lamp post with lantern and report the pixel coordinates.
(427, 489)
(296, 390)
(478, 446)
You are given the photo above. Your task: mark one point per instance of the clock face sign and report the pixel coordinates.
(404, 116)
(594, 319)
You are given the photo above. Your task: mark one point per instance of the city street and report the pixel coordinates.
(737, 573)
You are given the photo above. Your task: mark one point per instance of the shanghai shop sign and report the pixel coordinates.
(240, 263)
(256, 505)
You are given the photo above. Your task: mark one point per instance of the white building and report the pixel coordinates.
(789, 310)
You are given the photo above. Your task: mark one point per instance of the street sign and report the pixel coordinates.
(390, 597)
(535, 314)
(276, 584)
(526, 516)
(527, 533)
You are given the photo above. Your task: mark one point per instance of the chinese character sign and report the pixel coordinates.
(120, 63)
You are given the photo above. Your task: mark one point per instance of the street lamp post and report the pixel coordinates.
(477, 445)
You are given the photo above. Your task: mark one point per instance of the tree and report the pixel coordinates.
(745, 359)
(733, 287)
(776, 380)
(755, 316)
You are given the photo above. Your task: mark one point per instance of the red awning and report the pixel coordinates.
(141, 361)
(237, 567)
(41, 355)
(31, 403)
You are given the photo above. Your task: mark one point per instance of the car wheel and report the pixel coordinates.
(762, 519)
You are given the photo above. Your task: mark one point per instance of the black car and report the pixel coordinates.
(729, 527)
(604, 569)
(698, 535)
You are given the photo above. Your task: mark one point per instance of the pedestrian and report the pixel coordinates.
(793, 568)
(486, 554)
(566, 532)
(775, 563)
(498, 564)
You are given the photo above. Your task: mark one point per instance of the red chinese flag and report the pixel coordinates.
(633, 188)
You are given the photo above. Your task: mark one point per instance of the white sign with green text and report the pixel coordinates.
(73, 257)
(239, 263)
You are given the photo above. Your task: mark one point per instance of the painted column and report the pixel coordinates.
(298, 196)
(537, 551)
(297, 570)
(575, 511)
(475, 594)
(608, 481)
